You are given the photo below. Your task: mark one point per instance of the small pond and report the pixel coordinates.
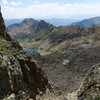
(32, 50)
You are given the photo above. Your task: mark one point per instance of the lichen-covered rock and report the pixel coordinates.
(20, 78)
(90, 88)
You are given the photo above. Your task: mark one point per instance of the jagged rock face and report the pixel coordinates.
(90, 88)
(19, 75)
(10, 75)
(2, 29)
(2, 26)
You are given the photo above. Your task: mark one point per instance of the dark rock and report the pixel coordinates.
(2, 29)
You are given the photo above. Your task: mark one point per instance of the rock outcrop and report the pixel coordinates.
(3, 32)
(90, 88)
(20, 78)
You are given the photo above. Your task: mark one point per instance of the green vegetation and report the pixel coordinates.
(3, 49)
(69, 33)
(41, 48)
(98, 97)
(35, 46)
(23, 37)
(57, 93)
(51, 46)
(31, 45)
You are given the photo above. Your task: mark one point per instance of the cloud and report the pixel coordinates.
(4, 2)
(36, 2)
(16, 3)
(53, 10)
(65, 10)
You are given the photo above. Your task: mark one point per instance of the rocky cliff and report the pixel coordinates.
(20, 78)
(3, 32)
(90, 87)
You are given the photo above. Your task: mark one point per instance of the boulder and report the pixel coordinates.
(65, 62)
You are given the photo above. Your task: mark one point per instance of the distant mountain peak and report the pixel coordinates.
(27, 20)
(42, 24)
(88, 22)
(30, 26)
(42, 21)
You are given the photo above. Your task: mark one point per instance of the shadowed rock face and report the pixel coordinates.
(2, 29)
(90, 88)
(19, 75)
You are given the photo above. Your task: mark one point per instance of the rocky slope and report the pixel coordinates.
(20, 77)
(30, 29)
(90, 87)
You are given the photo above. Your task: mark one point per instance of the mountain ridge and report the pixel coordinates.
(30, 29)
(88, 22)
(54, 21)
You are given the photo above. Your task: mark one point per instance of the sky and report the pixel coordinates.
(69, 9)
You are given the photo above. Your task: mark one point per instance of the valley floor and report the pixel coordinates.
(63, 81)
(62, 78)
